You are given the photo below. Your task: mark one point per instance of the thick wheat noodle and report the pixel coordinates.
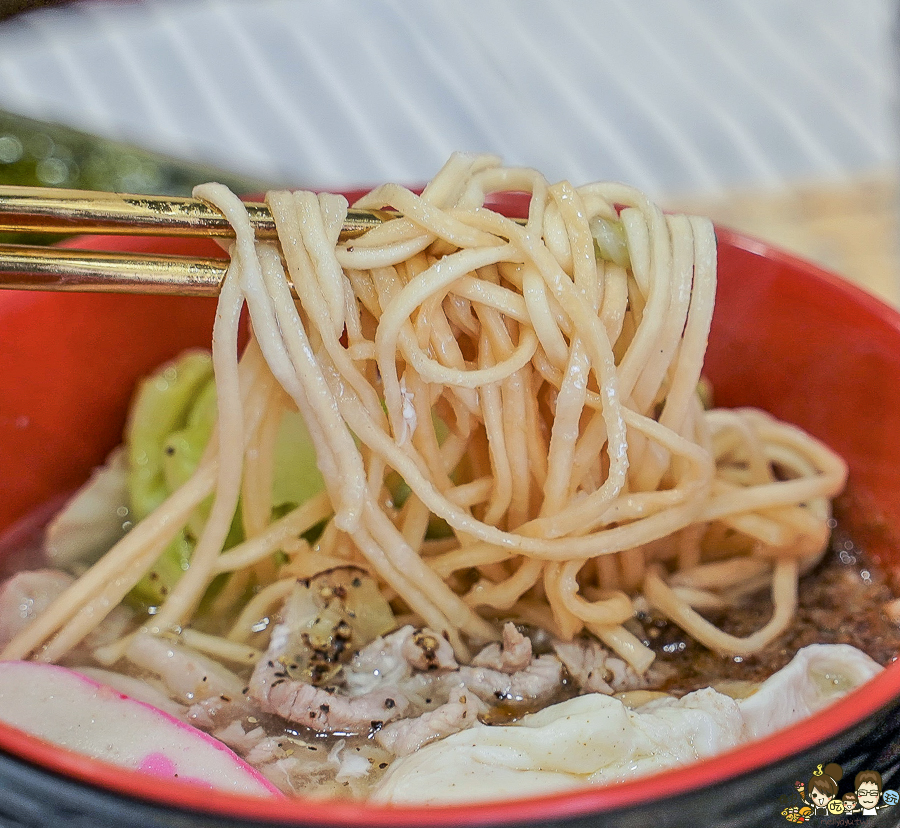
(610, 611)
(625, 643)
(231, 436)
(258, 607)
(580, 516)
(651, 463)
(414, 522)
(564, 435)
(784, 599)
(294, 523)
(741, 436)
(779, 493)
(503, 595)
(259, 467)
(221, 648)
(492, 400)
(539, 313)
(230, 447)
(700, 599)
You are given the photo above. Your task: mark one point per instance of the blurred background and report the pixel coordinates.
(777, 117)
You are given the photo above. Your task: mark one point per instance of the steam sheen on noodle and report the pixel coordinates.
(534, 386)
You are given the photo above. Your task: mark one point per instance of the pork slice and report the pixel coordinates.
(428, 651)
(586, 662)
(217, 711)
(381, 663)
(596, 670)
(511, 655)
(404, 736)
(142, 690)
(320, 708)
(26, 595)
(188, 675)
(239, 740)
(538, 682)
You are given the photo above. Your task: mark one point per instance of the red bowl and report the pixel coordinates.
(786, 336)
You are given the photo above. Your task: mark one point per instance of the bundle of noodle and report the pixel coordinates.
(505, 415)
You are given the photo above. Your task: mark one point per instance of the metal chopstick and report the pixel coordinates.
(64, 269)
(40, 209)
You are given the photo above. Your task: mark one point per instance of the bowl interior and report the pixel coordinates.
(786, 336)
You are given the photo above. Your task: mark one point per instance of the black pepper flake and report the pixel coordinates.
(390, 704)
(170, 450)
(245, 691)
(311, 747)
(382, 765)
(277, 682)
(324, 708)
(225, 698)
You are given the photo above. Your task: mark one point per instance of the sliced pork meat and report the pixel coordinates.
(188, 675)
(239, 740)
(538, 682)
(511, 655)
(594, 669)
(405, 688)
(429, 652)
(404, 736)
(142, 690)
(381, 663)
(25, 595)
(217, 711)
(322, 709)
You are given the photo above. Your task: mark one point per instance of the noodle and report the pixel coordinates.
(534, 390)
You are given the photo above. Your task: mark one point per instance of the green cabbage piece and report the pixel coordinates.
(610, 241)
(161, 406)
(171, 421)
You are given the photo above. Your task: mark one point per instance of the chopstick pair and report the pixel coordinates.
(45, 210)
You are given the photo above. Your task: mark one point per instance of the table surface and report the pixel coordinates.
(849, 227)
